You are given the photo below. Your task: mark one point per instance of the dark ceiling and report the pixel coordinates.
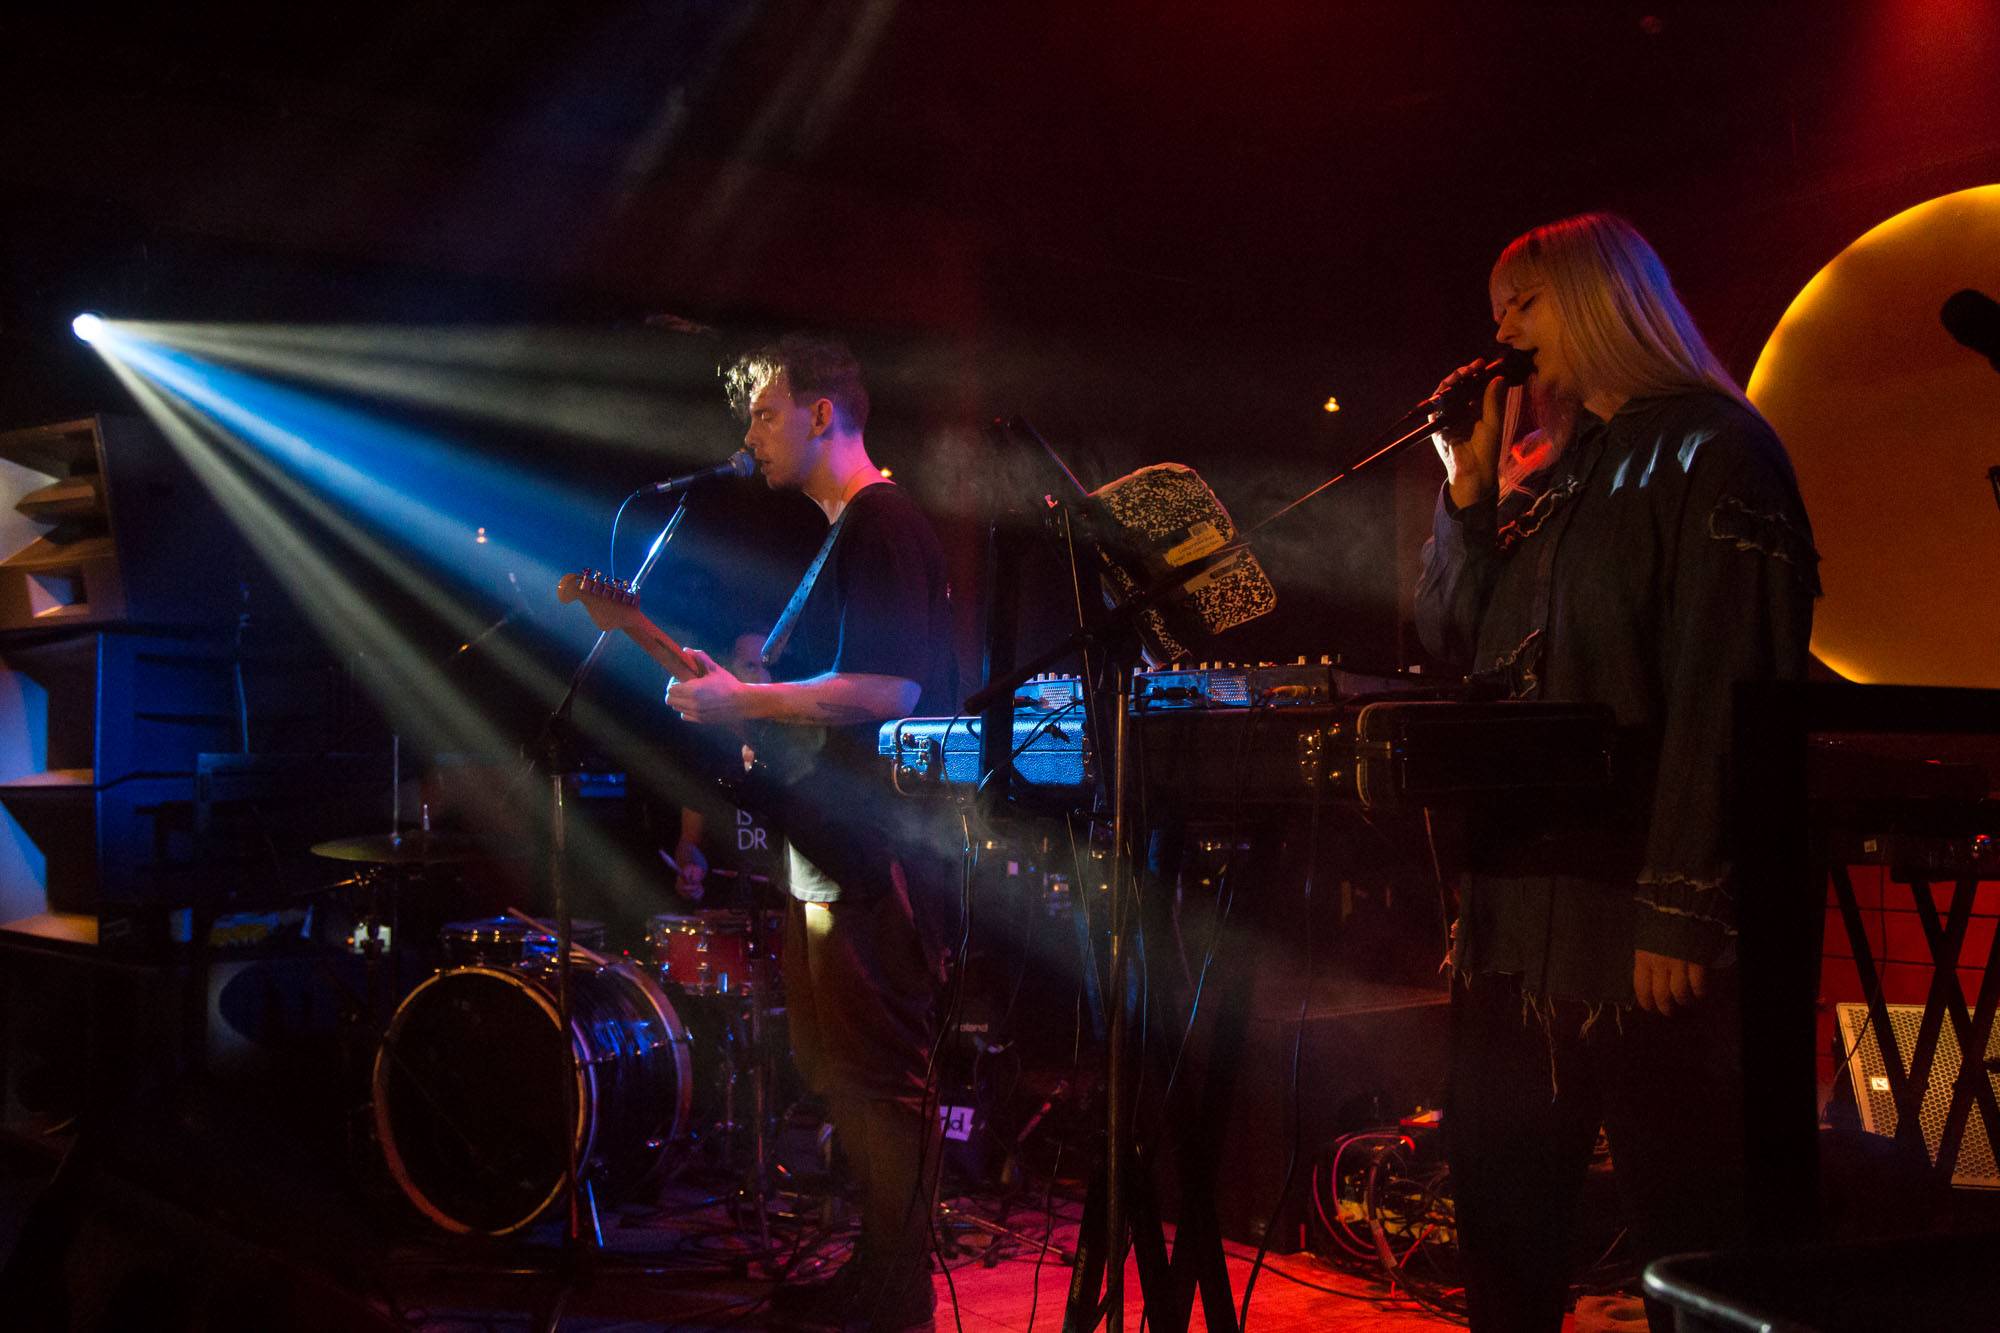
(1171, 228)
(942, 165)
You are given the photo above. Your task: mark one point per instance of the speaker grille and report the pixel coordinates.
(1976, 1167)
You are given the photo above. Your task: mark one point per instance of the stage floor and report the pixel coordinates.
(685, 1285)
(688, 1262)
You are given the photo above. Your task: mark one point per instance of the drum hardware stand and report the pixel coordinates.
(760, 1170)
(363, 1018)
(368, 1024)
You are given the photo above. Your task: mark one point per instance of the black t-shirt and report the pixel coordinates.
(880, 605)
(744, 855)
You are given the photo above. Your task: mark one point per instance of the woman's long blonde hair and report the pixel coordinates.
(1626, 331)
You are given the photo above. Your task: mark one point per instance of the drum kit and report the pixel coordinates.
(468, 1104)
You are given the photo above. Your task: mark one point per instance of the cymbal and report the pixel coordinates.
(415, 848)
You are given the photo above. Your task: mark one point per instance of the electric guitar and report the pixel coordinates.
(611, 604)
(765, 764)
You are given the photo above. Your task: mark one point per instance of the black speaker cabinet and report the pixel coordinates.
(120, 586)
(108, 526)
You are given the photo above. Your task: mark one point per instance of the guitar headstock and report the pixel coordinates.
(610, 603)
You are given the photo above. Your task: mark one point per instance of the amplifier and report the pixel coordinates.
(1050, 751)
(1258, 685)
(1429, 752)
(1220, 737)
(1976, 1166)
(1383, 755)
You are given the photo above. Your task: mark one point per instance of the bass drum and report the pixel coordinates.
(469, 1090)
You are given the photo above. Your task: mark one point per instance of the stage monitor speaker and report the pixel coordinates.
(1976, 1167)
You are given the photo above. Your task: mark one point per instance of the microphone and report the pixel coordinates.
(1458, 404)
(1973, 319)
(738, 464)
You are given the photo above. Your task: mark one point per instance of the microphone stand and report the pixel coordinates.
(1106, 630)
(1381, 452)
(1106, 638)
(557, 748)
(1438, 411)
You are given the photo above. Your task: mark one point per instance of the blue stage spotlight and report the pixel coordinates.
(87, 326)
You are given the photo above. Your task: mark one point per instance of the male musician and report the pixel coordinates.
(1656, 554)
(865, 638)
(714, 836)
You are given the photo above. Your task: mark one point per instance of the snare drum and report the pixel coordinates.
(469, 1100)
(501, 941)
(707, 953)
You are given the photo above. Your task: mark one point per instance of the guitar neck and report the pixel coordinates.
(660, 646)
(616, 606)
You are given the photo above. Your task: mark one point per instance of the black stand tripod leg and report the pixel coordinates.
(1197, 1263)
(1086, 1281)
(1166, 1300)
(1198, 1254)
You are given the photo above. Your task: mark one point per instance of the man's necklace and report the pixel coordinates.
(860, 482)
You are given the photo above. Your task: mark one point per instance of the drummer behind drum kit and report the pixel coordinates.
(468, 1102)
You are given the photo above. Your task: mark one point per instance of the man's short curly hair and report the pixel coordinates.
(813, 367)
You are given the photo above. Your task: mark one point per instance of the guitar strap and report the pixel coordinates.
(781, 633)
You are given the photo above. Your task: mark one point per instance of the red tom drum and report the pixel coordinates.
(713, 953)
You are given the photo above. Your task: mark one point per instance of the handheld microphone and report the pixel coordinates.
(1457, 405)
(738, 464)
(1973, 319)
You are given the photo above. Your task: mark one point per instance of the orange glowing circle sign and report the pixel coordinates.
(1893, 427)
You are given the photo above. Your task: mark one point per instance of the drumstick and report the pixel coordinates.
(716, 871)
(550, 931)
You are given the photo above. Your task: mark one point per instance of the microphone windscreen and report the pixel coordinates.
(1516, 364)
